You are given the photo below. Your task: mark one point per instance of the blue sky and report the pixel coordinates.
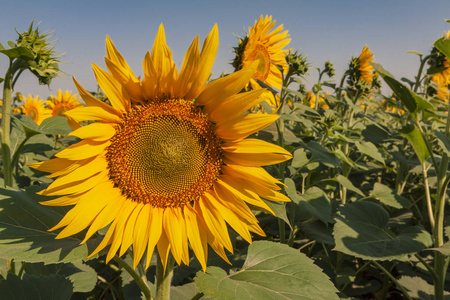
(322, 30)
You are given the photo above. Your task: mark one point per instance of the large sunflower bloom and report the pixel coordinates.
(161, 169)
(365, 69)
(35, 109)
(63, 102)
(267, 48)
(443, 78)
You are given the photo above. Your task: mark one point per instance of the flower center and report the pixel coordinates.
(164, 153)
(33, 114)
(260, 53)
(59, 110)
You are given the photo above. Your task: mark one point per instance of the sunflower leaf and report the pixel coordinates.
(30, 287)
(55, 125)
(361, 230)
(81, 275)
(443, 45)
(409, 99)
(24, 225)
(271, 271)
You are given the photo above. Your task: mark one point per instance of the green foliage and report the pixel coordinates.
(52, 287)
(271, 271)
(361, 230)
(24, 228)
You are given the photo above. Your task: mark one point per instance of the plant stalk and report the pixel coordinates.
(138, 279)
(6, 127)
(164, 278)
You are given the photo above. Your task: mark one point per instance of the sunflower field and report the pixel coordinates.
(165, 183)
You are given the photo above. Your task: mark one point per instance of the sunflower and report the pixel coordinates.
(442, 78)
(35, 109)
(311, 99)
(161, 169)
(365, 69)
(272, 100)
(267, 48)
(63, 102)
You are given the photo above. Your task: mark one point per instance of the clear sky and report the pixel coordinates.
(322, 30)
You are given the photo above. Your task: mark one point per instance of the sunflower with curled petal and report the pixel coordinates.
(35, 108)
(364, 66)
(265, 46)
(168, 164)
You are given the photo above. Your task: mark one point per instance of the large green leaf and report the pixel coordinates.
(18, 52)
(413, 135)
(322, 155)
(24, 225)
(82, 276)
(53, 287)
(419, 289)
(271, 271)
(279, 209)
(369, 149)
(55, 125)
(409, 99)
(443, 45)
(360, 230)
(388, 196)
(184, 292)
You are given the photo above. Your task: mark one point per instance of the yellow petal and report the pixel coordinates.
(242, 126)
(115, 57)
(95, 131)
(206, 62)
(77, 187)
(188, 70)
(53, 165)
(112, 89)
(197, 235)
(163, 249)
(233, 106)
(215, 221)
(92, 101)
(175, 229)
(225, 87)
(83, 149)
(155, 227)
(255, 153)
(239, 188)
(128, 232)
(92, 113)
(81, 173)
(107, 215)
(121, 221)
(256, 174)
(140, 235)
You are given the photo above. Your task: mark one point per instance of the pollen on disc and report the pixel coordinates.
(164, 153)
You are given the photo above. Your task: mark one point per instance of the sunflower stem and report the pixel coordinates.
(6, 126)
(164, 277)
(142, 285)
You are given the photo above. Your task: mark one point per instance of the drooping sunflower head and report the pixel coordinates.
(63, 102)
(168, 164)
(266, 47)
(360, 71)
(35, 108)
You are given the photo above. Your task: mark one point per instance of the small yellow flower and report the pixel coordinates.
(35, 109)
(311, 98)
(272, 100)
(63, 102)
(265, 46)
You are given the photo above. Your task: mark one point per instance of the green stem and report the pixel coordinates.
(388, 274)
(427, 266)
(164, 278)
(6, 127)
(340, 86)
(419, 73)
(427, 194)
(143, 285)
